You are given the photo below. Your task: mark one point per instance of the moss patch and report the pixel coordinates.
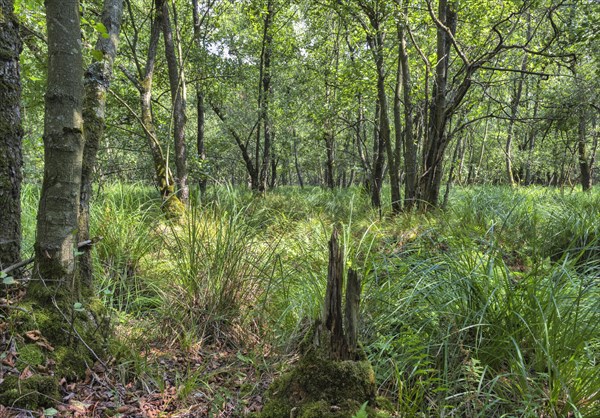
(32, 393)
(319, 387)
(30, 355)
(55, 339)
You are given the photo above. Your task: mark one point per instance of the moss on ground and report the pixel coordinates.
(55, 340)
(319, 387)
(31, 393)
(30, 355)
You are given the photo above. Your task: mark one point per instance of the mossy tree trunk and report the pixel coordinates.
(63, 157)
(11, 134)
(96, 83)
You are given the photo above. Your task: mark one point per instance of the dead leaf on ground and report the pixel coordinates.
(25, 374)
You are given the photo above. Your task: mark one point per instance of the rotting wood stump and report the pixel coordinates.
(333, 378)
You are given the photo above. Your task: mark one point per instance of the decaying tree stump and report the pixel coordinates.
(333, 378)
(342, 338)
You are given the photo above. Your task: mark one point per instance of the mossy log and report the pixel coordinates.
(333, 378)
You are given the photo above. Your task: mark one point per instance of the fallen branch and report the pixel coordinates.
(23, 263)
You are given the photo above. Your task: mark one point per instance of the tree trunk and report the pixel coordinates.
(63, 156)
(437, 140)
(451, 173)
(200, 140)
(584, 165)
(250, 167)
(172, 206)
(296, 163)
(264, 91)
(514, 109)
(329, 162)
(178, 101)
(378, 160)
(201, 149)
(384, 125)
(11, 134)
(342, 338)
(96, 83)
(410, 147)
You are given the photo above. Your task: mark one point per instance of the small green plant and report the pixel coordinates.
(362, 412)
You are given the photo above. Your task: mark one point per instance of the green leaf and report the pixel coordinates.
(97, 54)
(8, 280)
(50, 412)
(362, 412)
(101, 28)
(78, 307)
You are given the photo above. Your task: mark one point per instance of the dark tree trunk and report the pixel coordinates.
(296, 163)
(97, 80)
(584, 164)
(410, 146)
(329, 164)
(252, 170)
(343, 338)
(384, 127)
(437, 141)
(11, 134)
(200, 139)
(378, 160)
(264, 92)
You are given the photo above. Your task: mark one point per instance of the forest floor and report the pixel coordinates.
(212, 380)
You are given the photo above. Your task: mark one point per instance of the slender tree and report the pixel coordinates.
(172, 206)
(178, 101)
(96, 83)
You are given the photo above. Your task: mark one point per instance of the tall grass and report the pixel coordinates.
(220, 271)
(125, 217)
(460, 329)
(491, 309)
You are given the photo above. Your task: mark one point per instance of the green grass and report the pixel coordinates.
(490, 309)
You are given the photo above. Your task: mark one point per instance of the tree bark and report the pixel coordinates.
(296, 162)
(384, 122)
(378, 160)
(178, 102)
(97, 80)
(264, 91)
(11, 133)
(584, 164)
(63, 155)
(200, 107)
(410, 146)
(514, 109)
(200, 139)
(437, 141)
